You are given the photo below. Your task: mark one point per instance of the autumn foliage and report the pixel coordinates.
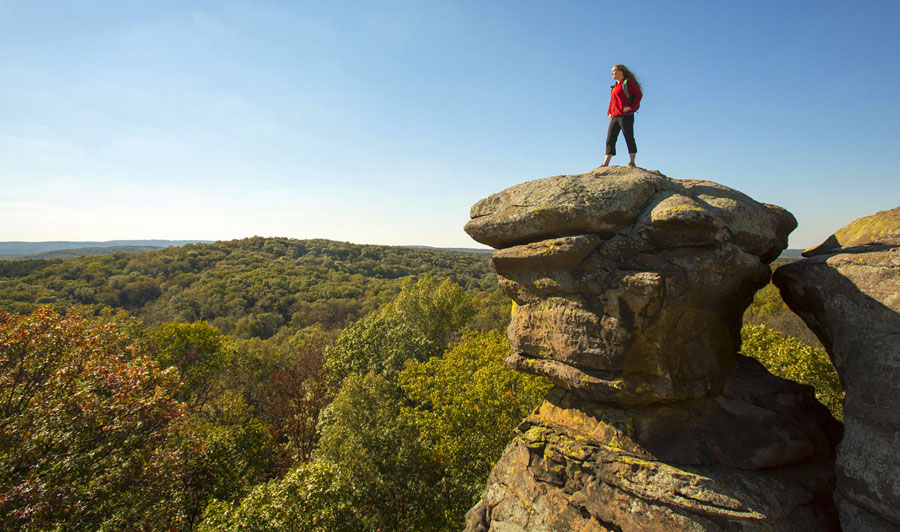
(82, 408)
(357, 387)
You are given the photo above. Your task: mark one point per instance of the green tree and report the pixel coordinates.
(367, 434)
(314, 497)
(417, 325)
(789, 358)
(770, 310)
(466, 406)
(221, 448)
(211, 457)
(199, 352)
(421, 452)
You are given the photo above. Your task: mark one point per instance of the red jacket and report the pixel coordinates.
(618, 102)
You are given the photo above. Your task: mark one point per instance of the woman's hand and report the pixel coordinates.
(626, 109)
(609, 116)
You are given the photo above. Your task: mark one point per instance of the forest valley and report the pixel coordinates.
(275, 384)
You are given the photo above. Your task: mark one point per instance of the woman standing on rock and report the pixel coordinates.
(624, 100)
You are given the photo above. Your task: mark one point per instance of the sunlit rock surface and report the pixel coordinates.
(848, 292)
(629, 288)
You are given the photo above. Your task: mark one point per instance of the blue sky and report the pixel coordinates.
(383, 122)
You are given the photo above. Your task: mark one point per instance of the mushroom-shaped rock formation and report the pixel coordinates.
(628, 290)
(629, 286)
(848, 292)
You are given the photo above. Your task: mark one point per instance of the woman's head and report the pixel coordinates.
(621, 72)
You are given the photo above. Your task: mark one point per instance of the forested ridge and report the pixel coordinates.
(273, 384)
(253, 287)
(80, 252)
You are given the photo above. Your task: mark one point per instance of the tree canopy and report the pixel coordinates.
(254, 287)
(82, 409)
(275, 384)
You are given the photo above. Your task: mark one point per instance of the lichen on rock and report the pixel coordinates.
(848, 292)
(628, 290)
(629, 278)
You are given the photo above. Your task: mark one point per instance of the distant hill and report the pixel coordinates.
(80, 252)
(32, 248)
(254, 287)
(464, 250)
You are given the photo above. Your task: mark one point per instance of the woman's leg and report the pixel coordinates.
(628, 130)
(612, 135)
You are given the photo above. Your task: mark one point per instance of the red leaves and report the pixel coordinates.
(80, 409)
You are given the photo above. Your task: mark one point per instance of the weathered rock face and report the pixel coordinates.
(848, 292)
(709, 465)
(629, 288)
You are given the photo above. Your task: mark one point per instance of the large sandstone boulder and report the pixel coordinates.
(848, 292)
(629, 286)
(629, 289)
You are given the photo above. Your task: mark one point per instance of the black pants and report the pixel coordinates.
(626, 124)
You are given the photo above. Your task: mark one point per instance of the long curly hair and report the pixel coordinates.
(629, 75)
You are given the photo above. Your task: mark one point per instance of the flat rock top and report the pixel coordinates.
(879, 229)
(611, 200)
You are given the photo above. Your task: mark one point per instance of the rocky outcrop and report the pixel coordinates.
(848, 292)
(628, 290)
